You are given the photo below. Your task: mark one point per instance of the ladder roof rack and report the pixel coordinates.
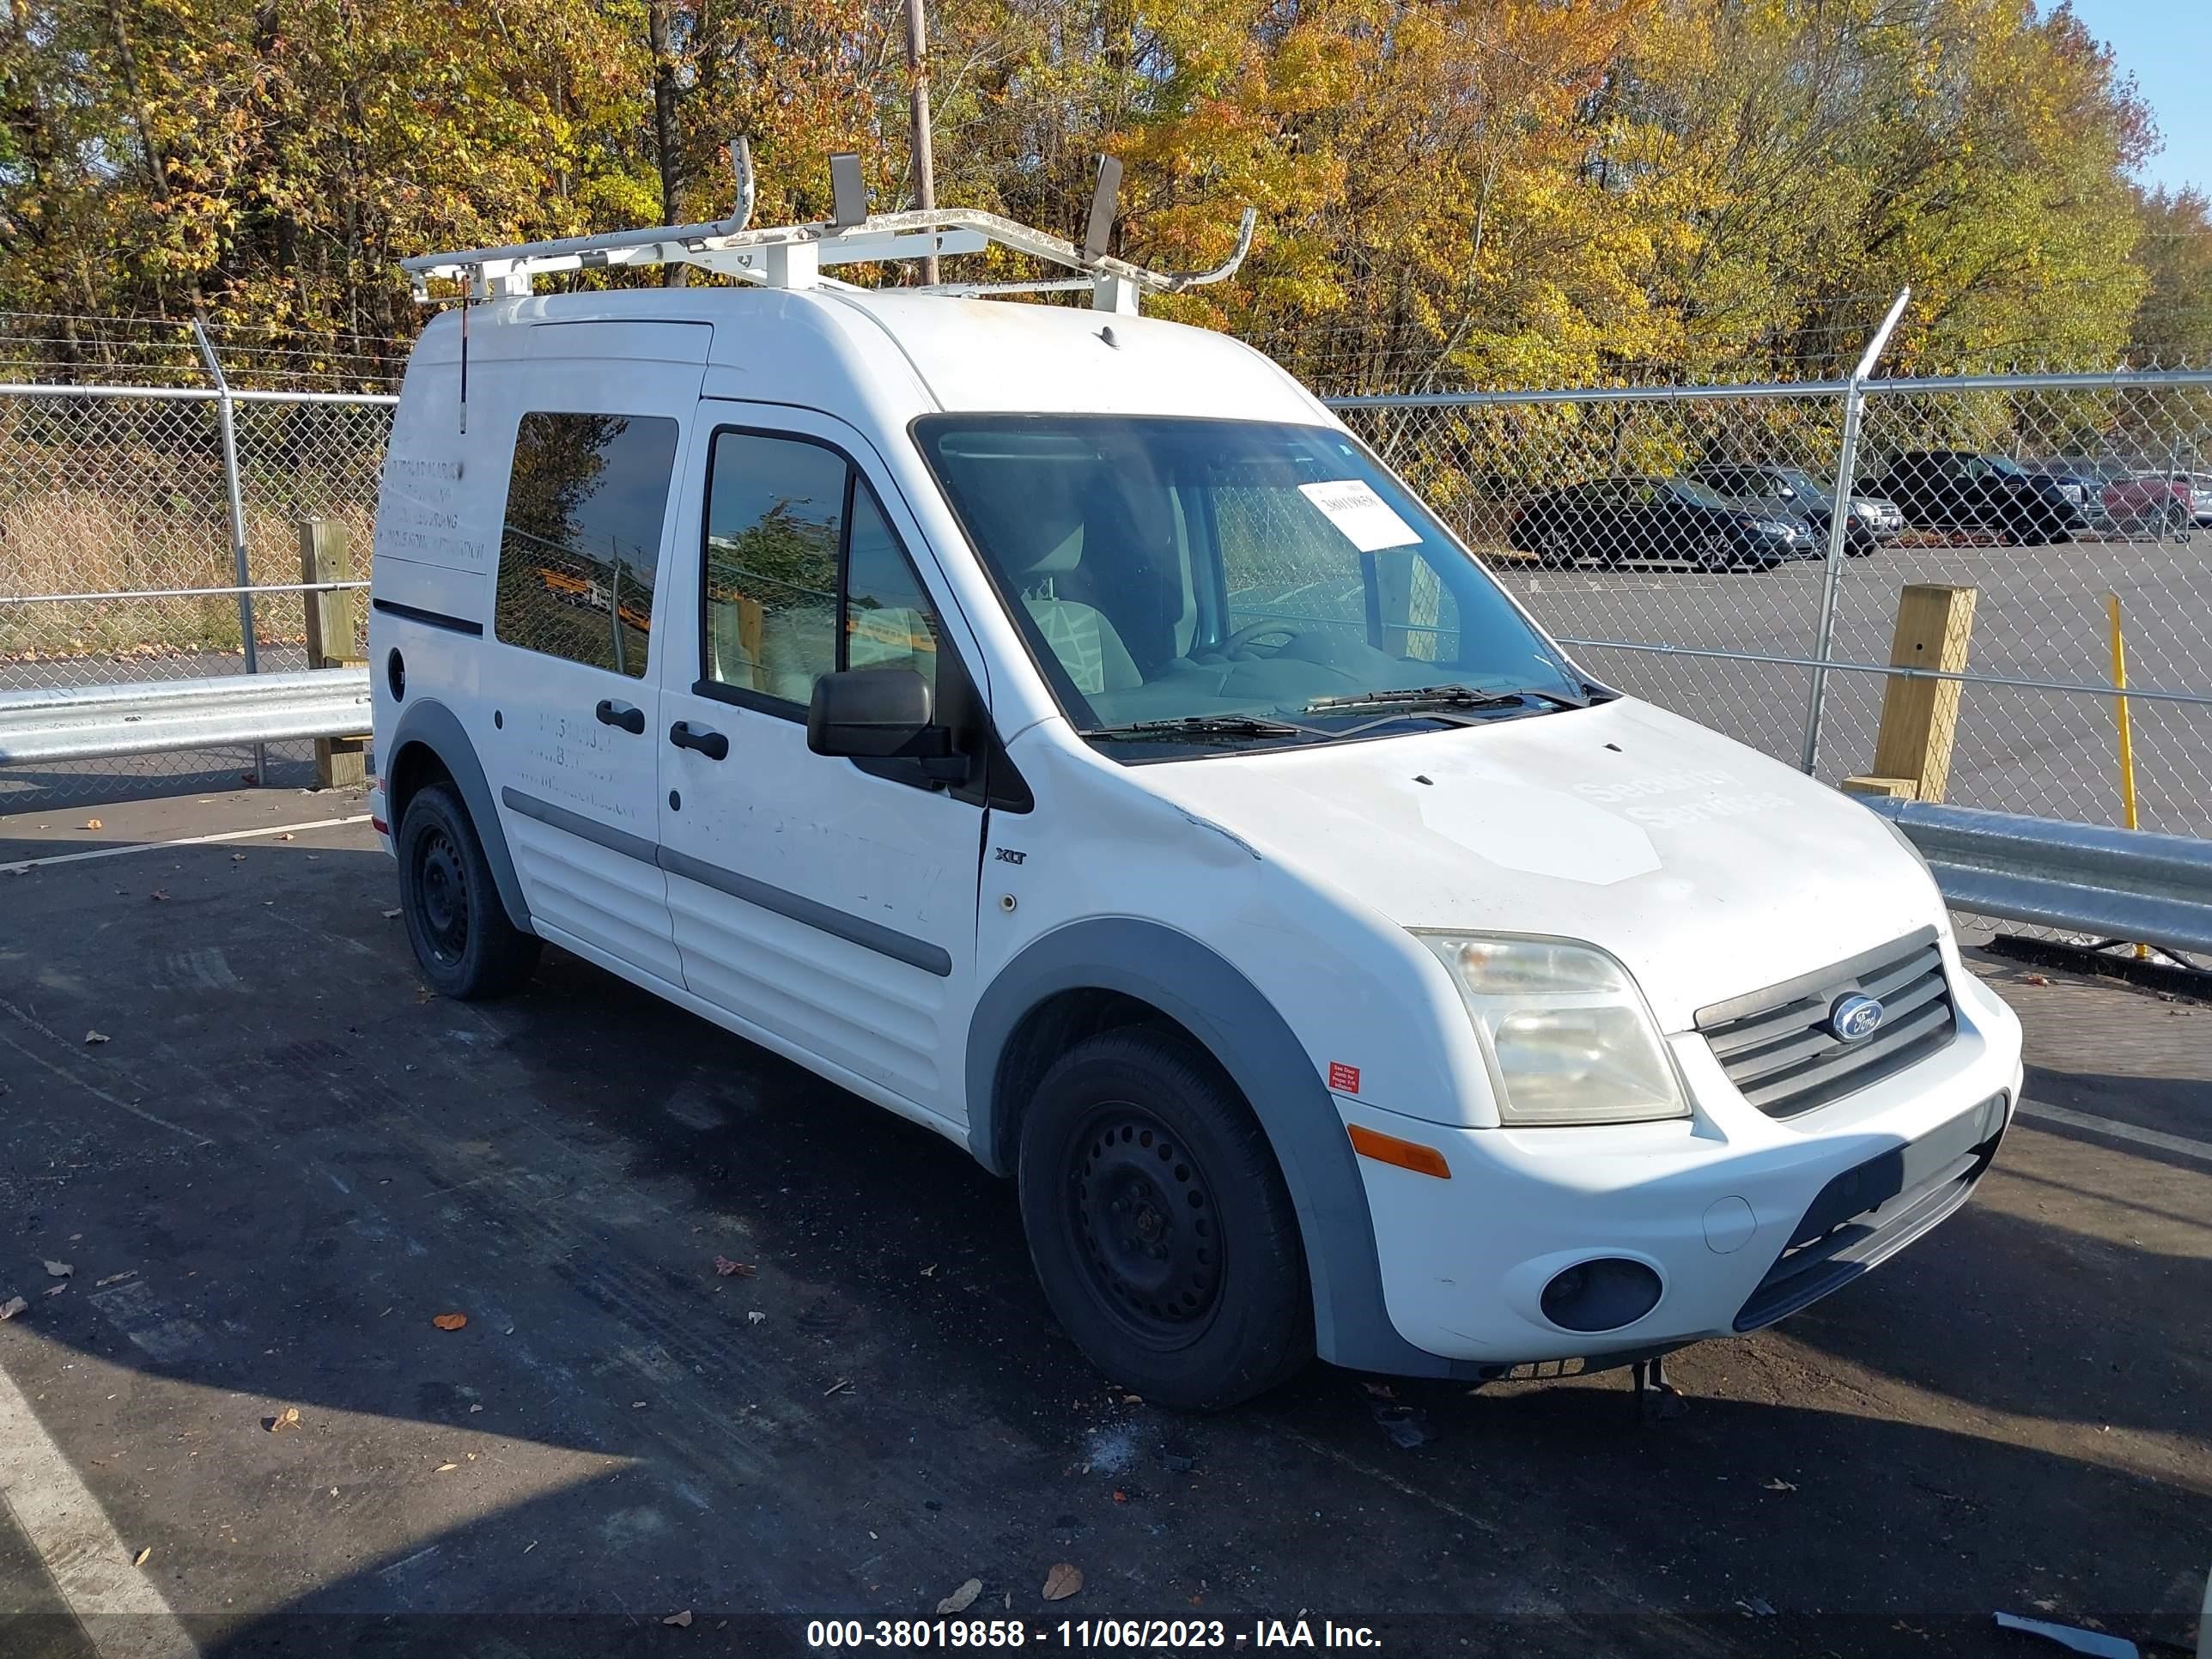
(793, 256)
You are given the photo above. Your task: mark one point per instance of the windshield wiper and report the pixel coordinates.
(1441, 696)
(1207, 725)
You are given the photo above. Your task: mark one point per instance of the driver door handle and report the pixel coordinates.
(628, 716)
(713, 744)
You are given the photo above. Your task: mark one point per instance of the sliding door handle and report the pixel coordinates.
(713, 744)
(628, 716)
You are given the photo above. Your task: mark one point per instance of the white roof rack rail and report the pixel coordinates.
(794, 256)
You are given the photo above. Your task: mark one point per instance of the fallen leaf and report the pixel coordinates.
(1120, 1496)
(1380, 1390)
(444, 1467)
(474, 1409)
(286, 835)
(92, 823)
(59, 1269)
(1062, 1582)
(12, 1306)
(142, 1555)
(681, 1620)
(95, 1036)
(838, 1387)
(755, 1317)
(389, 914)
(637, 1405)
(930, 1271)
(238, 858)
(114, 1279)
(286, 1418)
(449, 1322)
(158, 895)
(726, 1269)
(962, 1599)
(56, 1290)
(2034, 979)
(1779, 1484)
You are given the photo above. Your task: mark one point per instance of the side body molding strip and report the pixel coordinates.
(856, 930)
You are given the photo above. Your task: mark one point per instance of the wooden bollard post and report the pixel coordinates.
(1920, 717)
(333, 620)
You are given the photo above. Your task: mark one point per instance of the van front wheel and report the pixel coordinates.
(467, 948)
(1161, 1229)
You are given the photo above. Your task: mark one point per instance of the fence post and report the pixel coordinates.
(226, 423)
(1839, 521)
(1920, 717)
(333, 619)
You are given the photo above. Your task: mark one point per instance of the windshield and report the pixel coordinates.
(1172, 569)
(2010, 469)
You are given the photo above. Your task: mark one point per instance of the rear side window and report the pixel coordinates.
(585, 501)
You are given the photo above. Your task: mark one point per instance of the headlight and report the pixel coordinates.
(2072, 492)
(1867, 511)
(1568, 1035)
(1776, 527)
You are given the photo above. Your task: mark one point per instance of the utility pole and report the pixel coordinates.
(925, 167)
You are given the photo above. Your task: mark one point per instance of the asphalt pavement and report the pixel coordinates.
(272, 1161)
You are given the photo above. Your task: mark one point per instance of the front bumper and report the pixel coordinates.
(1742, 1217)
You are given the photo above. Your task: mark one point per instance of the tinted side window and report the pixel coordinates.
(585, 501)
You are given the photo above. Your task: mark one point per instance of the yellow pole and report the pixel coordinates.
(2127, 739)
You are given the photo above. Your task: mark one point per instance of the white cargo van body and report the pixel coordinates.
(1524, 1020)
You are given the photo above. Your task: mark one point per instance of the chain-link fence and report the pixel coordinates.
(1680, 537)
(1687, 541)
(119, 550)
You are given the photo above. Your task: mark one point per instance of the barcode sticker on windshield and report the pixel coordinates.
(1364, 517)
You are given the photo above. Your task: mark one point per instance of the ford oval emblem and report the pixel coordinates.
(1853, 1018)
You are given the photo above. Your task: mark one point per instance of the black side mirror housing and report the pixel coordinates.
(875, 713)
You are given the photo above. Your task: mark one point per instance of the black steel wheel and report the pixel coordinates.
(1163, 1235)
(463, 941)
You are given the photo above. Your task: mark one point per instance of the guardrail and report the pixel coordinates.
(94, 722)
(2080, 877)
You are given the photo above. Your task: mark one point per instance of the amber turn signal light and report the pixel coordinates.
(1405, 1154)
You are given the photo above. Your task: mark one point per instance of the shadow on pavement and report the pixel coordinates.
(288, 1158)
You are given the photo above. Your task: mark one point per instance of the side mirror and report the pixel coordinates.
(874, 714)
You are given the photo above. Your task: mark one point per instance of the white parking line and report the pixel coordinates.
(2117, 1130)
(122, 1614)
(17, 869)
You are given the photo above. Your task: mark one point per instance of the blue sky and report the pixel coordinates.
(2167, 45)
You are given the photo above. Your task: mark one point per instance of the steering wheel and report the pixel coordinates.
(1239, 645)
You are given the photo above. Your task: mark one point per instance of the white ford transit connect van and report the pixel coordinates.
(1054, 726)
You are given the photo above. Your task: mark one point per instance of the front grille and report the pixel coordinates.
(1776, 1046)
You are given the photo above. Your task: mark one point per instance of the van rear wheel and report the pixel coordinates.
(464, 942)
(1161, 1232)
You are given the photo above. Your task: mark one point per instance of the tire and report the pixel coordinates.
(1159, 1224)
(467, 948)
(1555, 551)
(1716, 555)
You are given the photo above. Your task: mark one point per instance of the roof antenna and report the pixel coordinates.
(848, 189)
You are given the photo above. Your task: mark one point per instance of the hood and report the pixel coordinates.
(1709, 869)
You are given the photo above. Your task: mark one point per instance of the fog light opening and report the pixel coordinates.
(1602, 1295)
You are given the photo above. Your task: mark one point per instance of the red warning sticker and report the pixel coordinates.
(1343, 1077)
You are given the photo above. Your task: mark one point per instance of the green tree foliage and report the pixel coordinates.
(1451, 191)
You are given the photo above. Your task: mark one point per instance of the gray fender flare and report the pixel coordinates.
(1188, 983)
(438, 729)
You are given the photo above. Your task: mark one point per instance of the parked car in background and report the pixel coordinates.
(1959, 489)
(2089, 476)
(2159, 503)
(1791, 492)
(1610, 520)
